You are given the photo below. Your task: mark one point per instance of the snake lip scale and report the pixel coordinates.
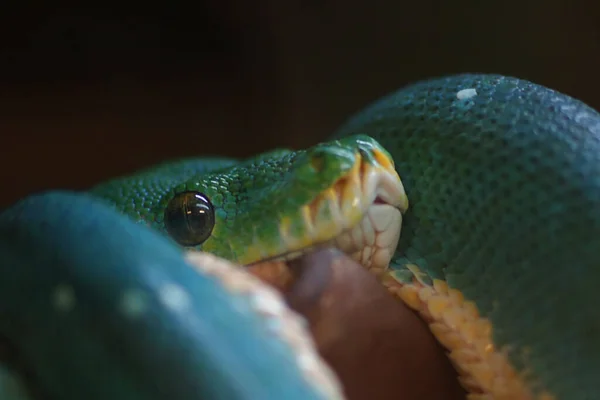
(366, 206)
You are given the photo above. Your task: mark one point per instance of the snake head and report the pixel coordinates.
(278, 205)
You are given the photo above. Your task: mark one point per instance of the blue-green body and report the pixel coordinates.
(503, 179)
(88, 346)
(504, 185)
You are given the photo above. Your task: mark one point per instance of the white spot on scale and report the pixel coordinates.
(64, 298)
(466, 94)
(174, 297)
(134, 303)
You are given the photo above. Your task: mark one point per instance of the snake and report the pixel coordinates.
(473, 198)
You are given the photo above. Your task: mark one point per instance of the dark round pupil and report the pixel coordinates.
(189, 218)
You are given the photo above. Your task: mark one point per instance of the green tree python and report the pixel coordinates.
(474, 198)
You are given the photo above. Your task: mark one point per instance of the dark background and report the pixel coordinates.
(89, 93)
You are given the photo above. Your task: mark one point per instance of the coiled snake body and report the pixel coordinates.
(496, 189)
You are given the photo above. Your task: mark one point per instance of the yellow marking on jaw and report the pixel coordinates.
(332, 199)
(484, 371)
(308, 220)
(334, 210)
(252, 253)
(284, 227)
(257, 251)
(385, 161)
(332, 203)
(351, 193)
(294, 243)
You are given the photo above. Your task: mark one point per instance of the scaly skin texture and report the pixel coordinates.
(99, 307)
(505, 206)
(503, 178)
(251, 197)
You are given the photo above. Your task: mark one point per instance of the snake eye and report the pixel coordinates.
(189, 218)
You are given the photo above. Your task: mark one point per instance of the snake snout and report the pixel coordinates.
(356, 204)
(374, 239)
(360, 214)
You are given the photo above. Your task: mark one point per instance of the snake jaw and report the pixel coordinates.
(373, 240)
(360, 214)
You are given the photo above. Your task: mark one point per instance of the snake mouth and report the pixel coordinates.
(360, 214)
